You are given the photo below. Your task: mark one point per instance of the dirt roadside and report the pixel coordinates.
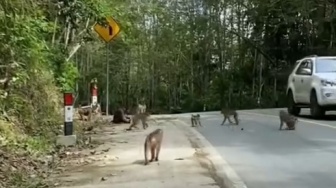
(118, 161)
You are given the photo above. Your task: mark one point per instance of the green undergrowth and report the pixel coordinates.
(21, 164)
(16, 139)
(30, 120)
(31, 103)
(33, 112)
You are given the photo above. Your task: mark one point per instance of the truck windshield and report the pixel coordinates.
(325, 65)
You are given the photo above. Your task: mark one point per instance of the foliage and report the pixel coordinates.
(214, 53)
(68, 77)
(37, 42)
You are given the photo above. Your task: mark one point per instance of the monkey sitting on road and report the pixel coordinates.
(153, 143)
(143, 117)
(288, 119)
(120, 117)
(195, 120)
(227, 113)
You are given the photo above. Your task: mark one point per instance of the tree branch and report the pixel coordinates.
(85, 28)
(74, 50)
(54, 33)
(67, 34)
(255, 46)
(79, 44)
(11, 65)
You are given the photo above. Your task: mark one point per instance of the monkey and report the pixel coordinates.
(288, 119)
(143, 117)
(153, 143)
(227, 113)
(193, 120)
(96, 109)
(127, 111)
(85, 118)
(85, 113)
(292, 124)
(120, 117)
(196, 120)
(141, 109)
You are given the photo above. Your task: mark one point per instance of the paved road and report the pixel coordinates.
(265, 157)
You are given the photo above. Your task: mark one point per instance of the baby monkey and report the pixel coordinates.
(153, 143)
(195, 120)
(288, 119)
(227, 113)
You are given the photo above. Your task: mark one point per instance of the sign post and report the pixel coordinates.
(68, 139)
(107, 81)
(107, 33)
(94, 92)
(68, 114)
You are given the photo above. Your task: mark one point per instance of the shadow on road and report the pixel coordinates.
(139, 162)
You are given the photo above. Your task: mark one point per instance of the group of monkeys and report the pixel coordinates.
(153, 140)
(196, 119)
(85, 112)
(285, 118)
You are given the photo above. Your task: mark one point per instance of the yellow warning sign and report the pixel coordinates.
(107, 33)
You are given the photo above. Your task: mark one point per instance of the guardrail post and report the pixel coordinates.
(94, 92)
(68, 139)
(68, 113)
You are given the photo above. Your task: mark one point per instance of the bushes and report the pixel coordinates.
(30, 114)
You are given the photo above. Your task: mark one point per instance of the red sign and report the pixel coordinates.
(94, 89)
(94, 92)
(68, 99)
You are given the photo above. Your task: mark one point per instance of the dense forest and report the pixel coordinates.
(184, 54)
(195, 54)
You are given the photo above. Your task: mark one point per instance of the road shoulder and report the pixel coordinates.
(122, 165)
(220, 170)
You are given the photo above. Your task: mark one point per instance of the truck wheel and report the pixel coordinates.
(291, 106)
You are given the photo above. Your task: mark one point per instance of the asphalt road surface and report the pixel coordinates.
(265, 157)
